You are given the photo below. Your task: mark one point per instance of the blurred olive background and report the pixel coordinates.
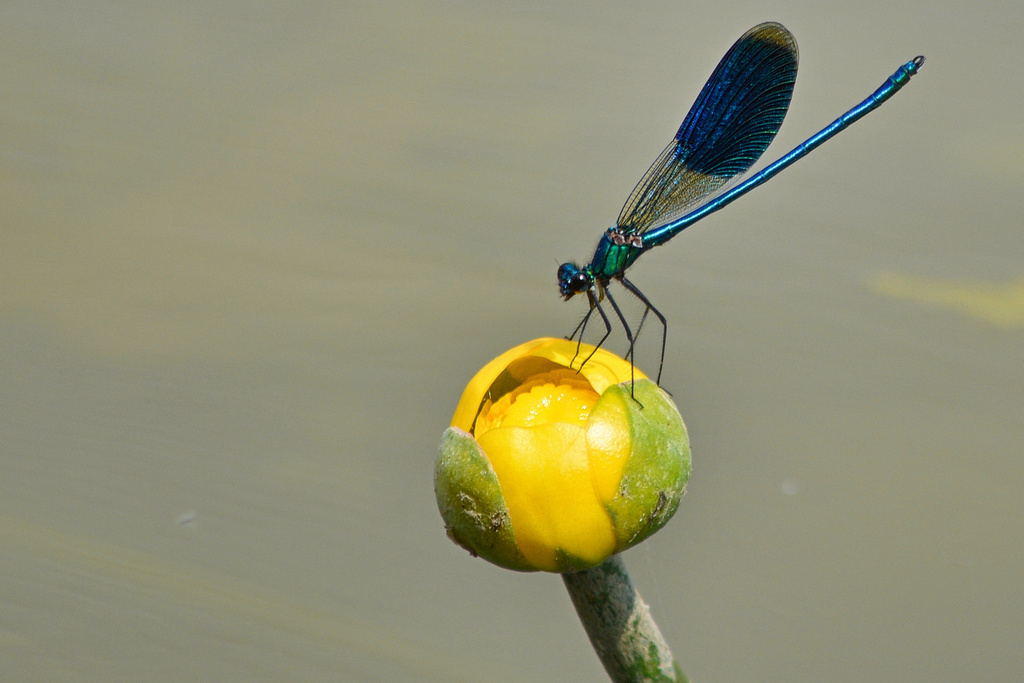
(251, 253)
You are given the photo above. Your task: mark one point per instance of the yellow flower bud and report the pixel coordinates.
(549, 468)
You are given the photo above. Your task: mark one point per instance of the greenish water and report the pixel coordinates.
(251, 253)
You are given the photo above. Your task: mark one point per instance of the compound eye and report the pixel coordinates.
(579, 282)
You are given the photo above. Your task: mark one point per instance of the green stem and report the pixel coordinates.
(620, 626)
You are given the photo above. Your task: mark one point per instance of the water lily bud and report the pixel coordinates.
(553, 469)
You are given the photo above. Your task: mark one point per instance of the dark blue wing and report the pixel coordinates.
(734, 119)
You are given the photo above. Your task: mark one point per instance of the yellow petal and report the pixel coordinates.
(476, 391)
(610, 444)
(544, 473)
(602, 370)
(516, 366)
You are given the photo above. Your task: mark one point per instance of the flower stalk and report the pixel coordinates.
(619, 625)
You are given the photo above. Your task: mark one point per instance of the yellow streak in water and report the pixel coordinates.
(999, 304)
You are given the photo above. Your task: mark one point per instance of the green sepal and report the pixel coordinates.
(655, 477)
(471, 504)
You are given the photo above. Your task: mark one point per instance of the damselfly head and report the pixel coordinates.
(573, 280)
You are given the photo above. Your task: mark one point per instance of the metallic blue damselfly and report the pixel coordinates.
(734, 119)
